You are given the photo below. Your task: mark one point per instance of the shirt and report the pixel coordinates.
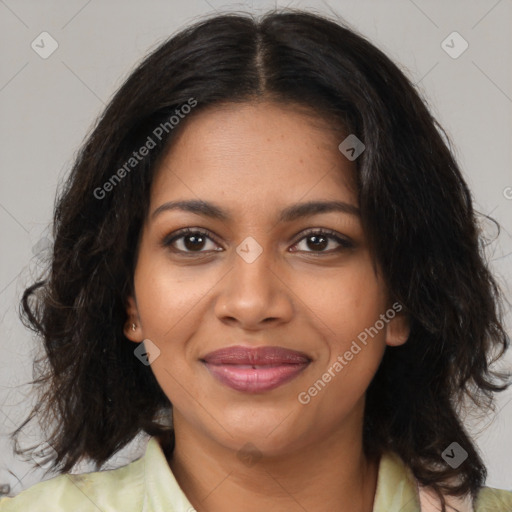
(148, 485)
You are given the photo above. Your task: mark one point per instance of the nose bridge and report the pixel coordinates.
(252, 292)
(253, 274)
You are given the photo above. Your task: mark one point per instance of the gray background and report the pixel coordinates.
(48, 106)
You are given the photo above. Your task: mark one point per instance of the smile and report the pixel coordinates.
(255, 370)
(255, 378)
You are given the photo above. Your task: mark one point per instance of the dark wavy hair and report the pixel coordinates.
(416, 211)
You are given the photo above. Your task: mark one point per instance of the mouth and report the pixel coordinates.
(255, 370)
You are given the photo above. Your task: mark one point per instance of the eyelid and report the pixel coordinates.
(169, 239)
(342, 240)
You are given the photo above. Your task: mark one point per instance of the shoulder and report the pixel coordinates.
(145, 484)
(488, 499)
(493, 500)
(397, 482)
(116, 489)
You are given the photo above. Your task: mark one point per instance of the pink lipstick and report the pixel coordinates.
(255, 370)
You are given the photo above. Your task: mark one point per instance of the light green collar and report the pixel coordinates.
(397, 489)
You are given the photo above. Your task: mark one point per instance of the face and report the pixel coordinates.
(251, 278)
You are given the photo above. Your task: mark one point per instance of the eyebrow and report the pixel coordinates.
(289, 214)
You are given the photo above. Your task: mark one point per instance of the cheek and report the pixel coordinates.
(345, 303)
(171, 302)
(168, 296)
(346, 308)
(347, 312)
(166, 309)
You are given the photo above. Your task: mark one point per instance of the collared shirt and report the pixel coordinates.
(148, 485)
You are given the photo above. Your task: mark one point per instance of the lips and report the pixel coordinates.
(255, 370)
(255, 356)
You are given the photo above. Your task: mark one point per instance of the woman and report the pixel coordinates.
(267, 210)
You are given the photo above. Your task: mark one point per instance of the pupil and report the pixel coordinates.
(318, 242)
(191, 246)
(316, 238)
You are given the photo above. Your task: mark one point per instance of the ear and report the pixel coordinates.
(132, 313)
(398, 330)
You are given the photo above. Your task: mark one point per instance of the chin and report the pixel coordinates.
(262, 438)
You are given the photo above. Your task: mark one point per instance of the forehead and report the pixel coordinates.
(254, 156)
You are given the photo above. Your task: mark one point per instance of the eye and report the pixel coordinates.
(319, 239)
(189, 240)
(195, 240)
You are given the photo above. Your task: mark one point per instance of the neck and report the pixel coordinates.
(215, 479)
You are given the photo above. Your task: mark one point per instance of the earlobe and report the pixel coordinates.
(398, 330)
(132, 328)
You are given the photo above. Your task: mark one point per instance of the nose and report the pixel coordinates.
(255, 294)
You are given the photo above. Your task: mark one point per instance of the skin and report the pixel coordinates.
(253, 160)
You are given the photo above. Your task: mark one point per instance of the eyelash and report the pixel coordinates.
(332, 235)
